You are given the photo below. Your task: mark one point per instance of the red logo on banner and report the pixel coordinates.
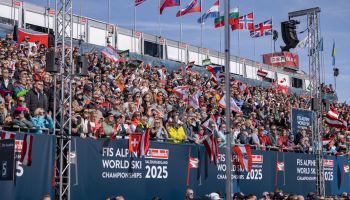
(17, 3)
(161, 40)
(18, 146)
(83, 20)
(282, 59)
(183, 45)
(257, 159)
(51, 12)
(158, 153)
(137, 34)
(328, 163)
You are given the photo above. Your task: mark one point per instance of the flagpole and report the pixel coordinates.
(179, 51)
(159, 27)
(201, 30)
(220, 47)
(239, 50)
(228, 102)
(188, 168)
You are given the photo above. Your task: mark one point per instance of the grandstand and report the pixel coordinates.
(157, 91)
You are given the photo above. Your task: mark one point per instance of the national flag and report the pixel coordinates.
(233, 17)
(42, 38)
(333, 113)
(212, 12)
(214, 69)
(181, 91)
(210, 120)
(138, 2)
(211, 146)
(193, 163)
(346, 168)
(110, 53)
(214, 79)
(234, 107)
(326, 141)
(168, 3)
(246, 22)
(193, 6)
(193, 99)
(244, 155)
(162, 73)
(283, 89)
(335, 123)
(280, 166)
(219, 22)
(262, 29)
(189, 65)
(333, 53)
(262, 73)
(139, 143)
(26, 154)
(7, 135)
(303, 43)
(206, 62)
(135, 63)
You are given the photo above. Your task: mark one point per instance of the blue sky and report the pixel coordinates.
(335, 25)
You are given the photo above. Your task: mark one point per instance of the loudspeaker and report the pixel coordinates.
(51, 62)
(83, 65)
(289, 34)
(274, 35)
(315, 104)
(336, 72)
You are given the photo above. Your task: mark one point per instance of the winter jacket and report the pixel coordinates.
(41, 122)
(178, 134)
(36, 100)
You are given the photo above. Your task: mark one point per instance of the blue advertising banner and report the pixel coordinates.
(32, 182)
(301, 119)
(106, 168)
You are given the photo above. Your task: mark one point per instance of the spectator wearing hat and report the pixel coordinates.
(21, 121)
(109, 125)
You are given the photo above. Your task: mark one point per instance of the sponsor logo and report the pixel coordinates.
(328, 163)
(346, 168)
(257, 159)
(18, 146)
(158, 153)
(280, 166)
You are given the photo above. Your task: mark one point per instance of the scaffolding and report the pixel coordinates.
(314, 44)
(63, 94)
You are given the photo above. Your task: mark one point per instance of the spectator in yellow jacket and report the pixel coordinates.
(176, 131)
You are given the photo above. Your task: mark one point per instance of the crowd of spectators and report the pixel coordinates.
(118, 99)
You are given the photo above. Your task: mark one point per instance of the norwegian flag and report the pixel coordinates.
(193, 6)
(246, 22)
(244, 155)
(110, 53)
(138, 2)
(262, 29)
(181, 91)
(7, 135)
(234, 107)
(262, 73)
(26, 154)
